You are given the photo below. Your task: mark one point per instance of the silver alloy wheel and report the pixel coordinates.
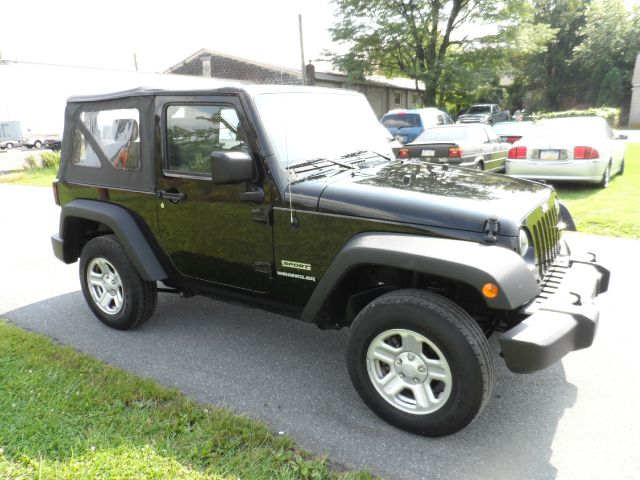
(409, 371)
(105, 286)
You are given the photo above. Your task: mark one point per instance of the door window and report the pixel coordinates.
(195, 131)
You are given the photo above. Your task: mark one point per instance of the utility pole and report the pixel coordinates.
(304, 74)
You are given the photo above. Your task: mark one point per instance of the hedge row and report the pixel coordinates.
(612, 115)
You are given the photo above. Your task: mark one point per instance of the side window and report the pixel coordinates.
(440, 120)
(195, 131)
(447, 119)
(117, 134)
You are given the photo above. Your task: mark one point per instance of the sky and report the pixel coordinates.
(108, 33)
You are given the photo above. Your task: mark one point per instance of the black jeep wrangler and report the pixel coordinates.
(289, 198)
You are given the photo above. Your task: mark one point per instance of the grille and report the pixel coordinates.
(546, 237)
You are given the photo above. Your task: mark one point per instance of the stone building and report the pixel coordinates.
(634, 112)
(384, 94)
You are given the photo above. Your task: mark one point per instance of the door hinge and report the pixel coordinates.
(264, 267)
(261, 215)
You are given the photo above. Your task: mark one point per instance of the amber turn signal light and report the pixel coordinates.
(490, 290)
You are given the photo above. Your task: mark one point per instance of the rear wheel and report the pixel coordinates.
(37, 144)
(9, 146)
(420, 362)
(112, 287)
(479, 166)
(621, 172)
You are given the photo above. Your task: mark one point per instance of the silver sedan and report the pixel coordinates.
(578, 149)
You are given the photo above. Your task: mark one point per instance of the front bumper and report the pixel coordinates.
(561, 319)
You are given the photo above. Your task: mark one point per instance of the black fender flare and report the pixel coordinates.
(123, 224)
(472, 263)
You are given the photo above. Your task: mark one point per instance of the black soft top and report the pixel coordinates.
(203, 88)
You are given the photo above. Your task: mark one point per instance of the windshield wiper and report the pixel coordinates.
(319, 160)
(358, 153)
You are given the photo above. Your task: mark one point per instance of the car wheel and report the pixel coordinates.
(37, 144)
(621, 172)
(9, 146)
(420, 362)
(479, 166)
(112, 287)
(606, 176)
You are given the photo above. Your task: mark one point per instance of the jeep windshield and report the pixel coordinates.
(305, 126)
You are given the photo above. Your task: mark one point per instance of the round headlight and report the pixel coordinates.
(523, 242)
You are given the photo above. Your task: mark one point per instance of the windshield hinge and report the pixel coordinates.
(491, 229)
(261, 215)
(264, 267)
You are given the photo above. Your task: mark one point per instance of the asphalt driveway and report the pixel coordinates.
(577, 419)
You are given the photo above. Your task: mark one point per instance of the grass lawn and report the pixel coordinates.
(42, 177)
(64, 415)
(614, 211)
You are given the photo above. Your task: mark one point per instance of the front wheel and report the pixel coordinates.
(37, 144)
(420, 362)
(112, 287)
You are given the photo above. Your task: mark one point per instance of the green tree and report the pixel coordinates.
(412, 38)
(611, 92)
(611, 41)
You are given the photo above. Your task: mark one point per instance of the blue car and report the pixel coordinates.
(406, 125)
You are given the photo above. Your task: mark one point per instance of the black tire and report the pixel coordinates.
(37, 144)
(9, 146)
(479, 166)
(621, 172)
(132, 300)
(456, 337)
(606, 177)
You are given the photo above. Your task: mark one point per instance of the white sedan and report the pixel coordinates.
(577, 149)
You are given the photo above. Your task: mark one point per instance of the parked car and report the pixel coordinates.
(406, 125)
(488, 113)
(421, 262)
(511, 132)
(53, 144)
(475, 146)
(577, 149)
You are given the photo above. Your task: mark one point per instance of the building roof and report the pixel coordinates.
(338, 77)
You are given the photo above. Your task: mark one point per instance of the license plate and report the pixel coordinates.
(549, 154)
(428, 153)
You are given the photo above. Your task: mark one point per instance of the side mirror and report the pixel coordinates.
(231, 167)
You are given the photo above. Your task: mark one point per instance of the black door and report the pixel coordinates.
(209, 232)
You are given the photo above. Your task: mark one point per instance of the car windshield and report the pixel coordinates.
(306, 126)
(480, 109)
(568, 127)
(444, 134)
(401, 120)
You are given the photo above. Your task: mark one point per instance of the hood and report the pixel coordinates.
(474, 116)
(430, 195)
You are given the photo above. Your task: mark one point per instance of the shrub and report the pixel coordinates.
(612, 115)
(50, 160)
(32, 162)
(44, 160)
